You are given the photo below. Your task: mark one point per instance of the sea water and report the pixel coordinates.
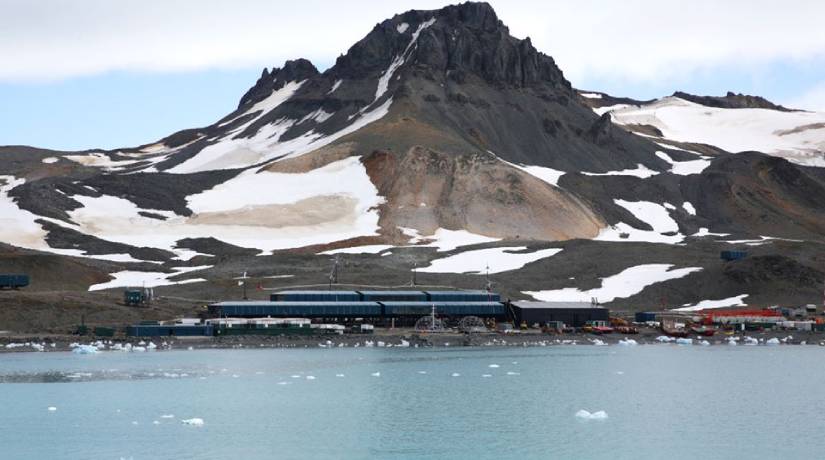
(658, 401)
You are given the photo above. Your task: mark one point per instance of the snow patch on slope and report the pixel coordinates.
(736, 301)
(497, 259)
(148, 279)
(641, 171)
(685, 168)
(446, 240)
(626, 283)
(797, 136)
(267, 211)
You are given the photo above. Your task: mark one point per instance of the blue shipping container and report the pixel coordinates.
(13, 281)
(463, 296)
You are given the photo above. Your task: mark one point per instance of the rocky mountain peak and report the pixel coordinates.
(293, 70)
(459, 42)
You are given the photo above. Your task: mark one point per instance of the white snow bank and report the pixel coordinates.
(549, 175)
(129, 278)
(685, 168)
(49, 160)
(653, 214)
(585, 415)
(626, 283)
(497, 259)
(688, 206)
(401, 28)
(446, 240)
(641, 171)
(703, 231)
(796, 136)
(368, 249)
(591, 95)
(722, 303)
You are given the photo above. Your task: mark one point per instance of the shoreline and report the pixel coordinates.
(389, 339)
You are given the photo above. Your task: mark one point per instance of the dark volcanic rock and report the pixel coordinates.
(297, 70)
(732, 101)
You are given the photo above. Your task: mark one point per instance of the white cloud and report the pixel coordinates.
(812, 99)
(637, 40)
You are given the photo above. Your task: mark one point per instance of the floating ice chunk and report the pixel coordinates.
(381, 344)
(664, 339)
(773, 341)
(295, 376)
(376, 374)
(598, 342)
(628, 342)
(151, 346)
(585, 415)
(704, 343)
(494, 366)
(683, 341)
(750, 341)
(167, 416)
(403, 343)
(455, 374)
(139, 349)
(52, 408)
(85, 349)
(512, 373)
(732, 341)
(486, 375)
(193, 421)
(619, 372)
(422, 372)
(339, 375)
(310, 377)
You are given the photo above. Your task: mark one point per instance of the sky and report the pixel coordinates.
(79, 74)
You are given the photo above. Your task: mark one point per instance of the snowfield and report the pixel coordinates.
(626, 283)
(685, 168)
(445, 240)
(265, 211)
(641, 171)
(797, 136)
(653, 214)
(737, 301)
(497, 259)
(148, 279)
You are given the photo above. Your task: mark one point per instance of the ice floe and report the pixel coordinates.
(628, 342)
(626, 283)
(193, 421)
(585, 415)
(498, 260)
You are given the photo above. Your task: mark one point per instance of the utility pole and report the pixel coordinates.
(242, 282)
(413, 281)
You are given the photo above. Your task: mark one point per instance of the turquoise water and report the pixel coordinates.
(662, 402)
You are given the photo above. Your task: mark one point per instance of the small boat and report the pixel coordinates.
(703, 330)
(602, 330)
(670, 328)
